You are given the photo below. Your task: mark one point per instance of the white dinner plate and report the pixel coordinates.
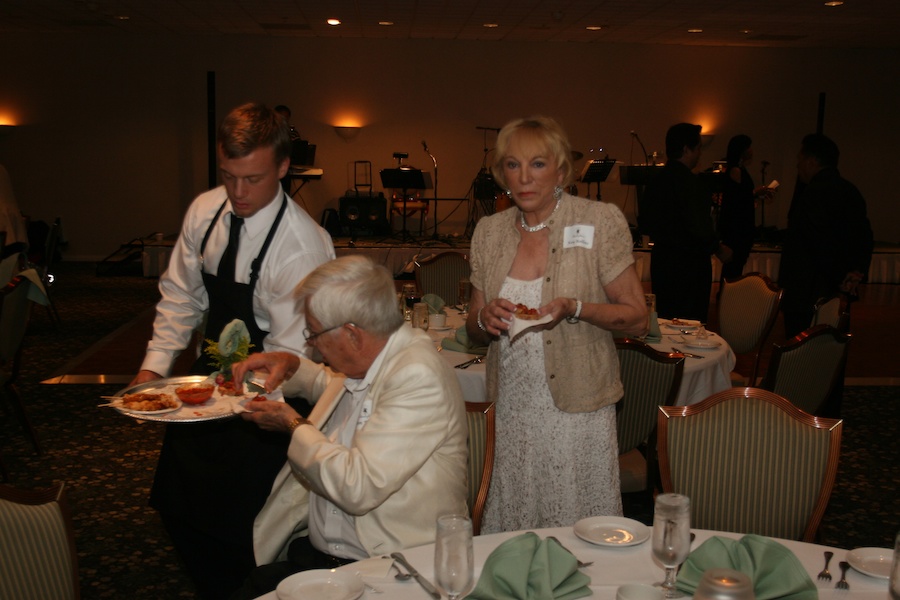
(702, 344)
(612, 531)
(321, 584)
(445, 328)
(875, 562)
(682, 325)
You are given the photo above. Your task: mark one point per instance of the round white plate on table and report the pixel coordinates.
(680, 324)
(696, 344)
(875, 562)
(445, 328)
(321, 584)
(612, 531)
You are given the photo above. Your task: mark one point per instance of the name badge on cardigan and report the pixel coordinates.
(578, 236)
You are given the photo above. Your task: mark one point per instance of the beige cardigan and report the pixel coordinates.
(580, 360)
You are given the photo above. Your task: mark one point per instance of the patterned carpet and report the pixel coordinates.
(108, 460)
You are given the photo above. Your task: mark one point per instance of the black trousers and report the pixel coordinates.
(302, 556)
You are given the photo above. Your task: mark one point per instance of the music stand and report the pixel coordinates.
(596, 170)
(403, 179)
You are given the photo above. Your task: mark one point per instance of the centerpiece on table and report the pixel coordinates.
(233, 347)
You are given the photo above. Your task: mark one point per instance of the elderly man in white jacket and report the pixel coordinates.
(383, 453)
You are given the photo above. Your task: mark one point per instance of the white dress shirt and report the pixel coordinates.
(298, 247)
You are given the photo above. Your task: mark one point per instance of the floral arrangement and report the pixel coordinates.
(233, 346)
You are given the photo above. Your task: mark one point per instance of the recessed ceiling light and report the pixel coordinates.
(594, 27)
(834, 3)
(385, 23)
(491, 25)
(333, 22)
(746, 31)
(121, 17)
(695, 31)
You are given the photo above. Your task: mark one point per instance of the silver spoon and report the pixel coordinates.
(400, 576)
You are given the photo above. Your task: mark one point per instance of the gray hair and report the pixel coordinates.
(352, 289)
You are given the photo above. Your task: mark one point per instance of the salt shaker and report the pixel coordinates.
(894, 585)
(724, 584)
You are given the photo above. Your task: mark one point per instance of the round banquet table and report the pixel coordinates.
(613, 566)
(702, 378)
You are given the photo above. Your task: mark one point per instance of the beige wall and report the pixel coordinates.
(113, 135)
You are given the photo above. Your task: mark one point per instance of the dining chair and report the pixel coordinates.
(751, 462)
(806, 368)
(651, 379)
(833, 310)
(440, 275)
(748, 308)
(37, 545)
(480, 421)
(44, 264)
(15, 310)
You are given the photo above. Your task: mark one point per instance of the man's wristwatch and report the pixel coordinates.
(577, 316)
(297, 423)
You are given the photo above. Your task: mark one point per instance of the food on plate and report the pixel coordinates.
(195, 393)
(226, 388)
(685, 322)
(529, 314)
(148, 402)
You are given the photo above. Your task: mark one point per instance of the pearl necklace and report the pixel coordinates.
(539, 226)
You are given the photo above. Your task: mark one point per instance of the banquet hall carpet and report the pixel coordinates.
(107, 460)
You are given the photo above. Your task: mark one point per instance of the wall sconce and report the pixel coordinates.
(706, 139)
(346, 133)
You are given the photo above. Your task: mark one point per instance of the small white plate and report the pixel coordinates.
(445, 328)
(612, 531)
(154, 412)
(875, 562)
(702, 344)
(682, 325)
(321, 584)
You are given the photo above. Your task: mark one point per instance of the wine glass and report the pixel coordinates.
(671, 536)
(465, 293)
(454, 560)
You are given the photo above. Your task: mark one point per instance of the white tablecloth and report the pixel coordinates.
(703, 377)
(616, 566)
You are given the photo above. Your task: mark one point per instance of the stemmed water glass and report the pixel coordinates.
(465, 293)
(671, 536)
(454, 560)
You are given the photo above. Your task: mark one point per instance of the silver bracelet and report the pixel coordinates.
(478, 320)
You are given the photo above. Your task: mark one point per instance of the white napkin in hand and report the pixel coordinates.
(519, 325)
(238, 403)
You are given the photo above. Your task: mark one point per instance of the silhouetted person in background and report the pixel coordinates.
(676, 214)
(828, 244)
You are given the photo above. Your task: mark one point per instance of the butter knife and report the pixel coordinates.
(426, 585)
(688, 354)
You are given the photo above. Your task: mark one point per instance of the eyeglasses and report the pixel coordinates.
(310, 337)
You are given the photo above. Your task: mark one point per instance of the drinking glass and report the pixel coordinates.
(671, 536)
(894, 584)
(465, 294)
(454, 560)
(411, 296)
(420, 316)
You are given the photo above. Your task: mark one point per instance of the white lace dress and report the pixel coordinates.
(551, 468)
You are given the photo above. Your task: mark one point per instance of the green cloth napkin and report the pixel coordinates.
(773, 569)
(435, 303)
(462, 344)
(653, 335)
(529, 568)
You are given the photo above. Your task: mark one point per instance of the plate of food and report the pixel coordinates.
(680, 324)
(186, 399)
(525, 318)
(698, 344)
(612, 531)
(874, 562)
(321, 584)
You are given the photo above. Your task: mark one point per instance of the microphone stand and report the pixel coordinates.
(762, 204)
(434, 235)
(646, 156)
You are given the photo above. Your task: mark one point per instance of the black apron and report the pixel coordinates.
(215, 476)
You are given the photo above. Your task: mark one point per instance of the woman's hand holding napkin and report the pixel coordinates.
(529, 568)
(773, 569)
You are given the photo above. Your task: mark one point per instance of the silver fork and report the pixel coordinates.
(842, 584)
(581, 564)
(825, 575)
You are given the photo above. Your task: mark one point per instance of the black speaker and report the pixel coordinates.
(364, 216)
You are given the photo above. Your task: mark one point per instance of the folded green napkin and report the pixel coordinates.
(435, 303)
(462, 344)
(529, 568)
(773, 569)
(653, 335)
